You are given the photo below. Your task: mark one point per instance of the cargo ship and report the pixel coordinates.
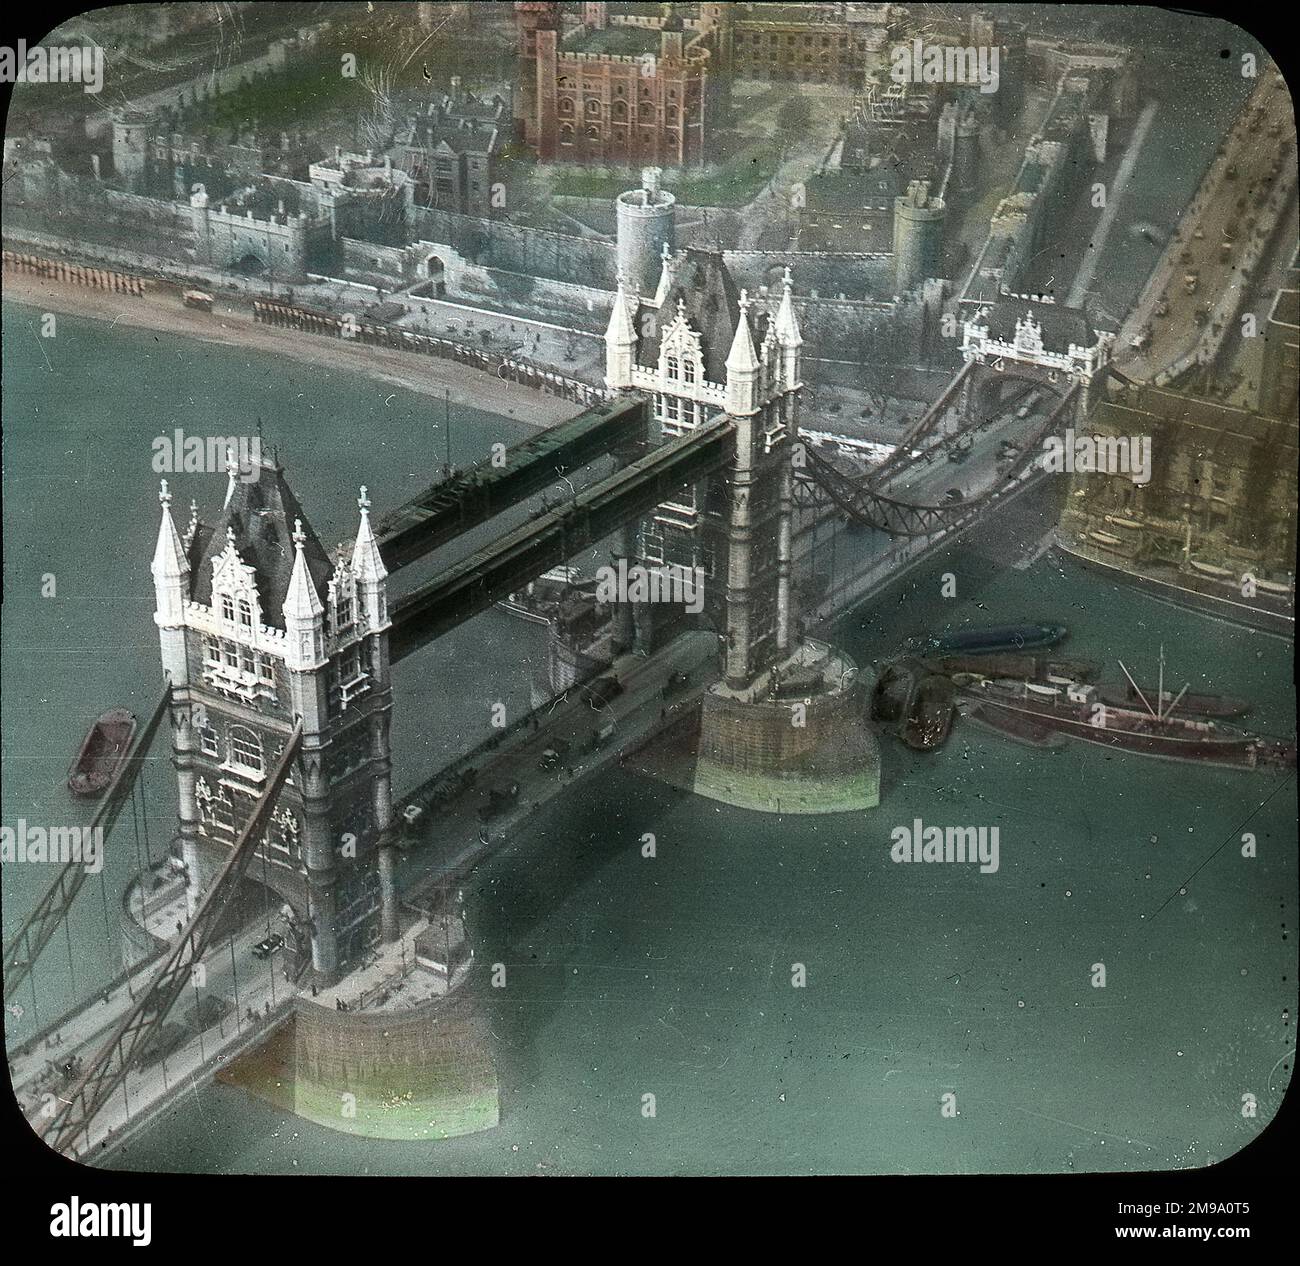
(1034, 711)
(102, 751)
(986, 641)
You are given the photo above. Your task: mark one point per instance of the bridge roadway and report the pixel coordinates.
(654, 691)
(448, 509)
(552, 538)
(231, 972)
(883, 558)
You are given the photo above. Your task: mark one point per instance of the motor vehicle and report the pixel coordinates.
(411, 816)
(269, 946)
(953, 495)
(550, 759)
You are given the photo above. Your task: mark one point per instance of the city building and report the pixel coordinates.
(613, 93)
(451, 151)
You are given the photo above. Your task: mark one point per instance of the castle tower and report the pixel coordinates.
(918, 236)
(131, 147)
(534, 19)
(646, 225)
(259, 628)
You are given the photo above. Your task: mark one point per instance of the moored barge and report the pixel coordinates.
(103, 749)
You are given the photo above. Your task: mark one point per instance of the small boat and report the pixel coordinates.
(929, 719)
(1011, 637)
(1273, 586)
(104, 748)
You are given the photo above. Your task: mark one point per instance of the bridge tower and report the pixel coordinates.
(259, 627)
(784, 730)
(702, 349)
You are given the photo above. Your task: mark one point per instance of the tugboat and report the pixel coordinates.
(104, 748)
(914, 703)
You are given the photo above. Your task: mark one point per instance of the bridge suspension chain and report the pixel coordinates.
(108, 1070)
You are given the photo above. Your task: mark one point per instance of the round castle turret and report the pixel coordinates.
(918, 236)
(130, 146)
(646, 223)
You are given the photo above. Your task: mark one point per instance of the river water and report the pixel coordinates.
(921, 985)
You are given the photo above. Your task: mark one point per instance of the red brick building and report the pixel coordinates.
(632, 91)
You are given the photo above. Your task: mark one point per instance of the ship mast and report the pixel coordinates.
(1136, 690)
(1160, 686)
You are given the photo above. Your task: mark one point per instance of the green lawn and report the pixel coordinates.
(730, 184)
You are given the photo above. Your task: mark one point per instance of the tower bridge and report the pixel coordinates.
(277, 657)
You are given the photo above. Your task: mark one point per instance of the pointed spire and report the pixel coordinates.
(742, 359)
(367, 563)
(169, 561)
(787, 324)
(170, 569)
(665, 275)
(619, 332)
(191, 529)
(301, 603)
